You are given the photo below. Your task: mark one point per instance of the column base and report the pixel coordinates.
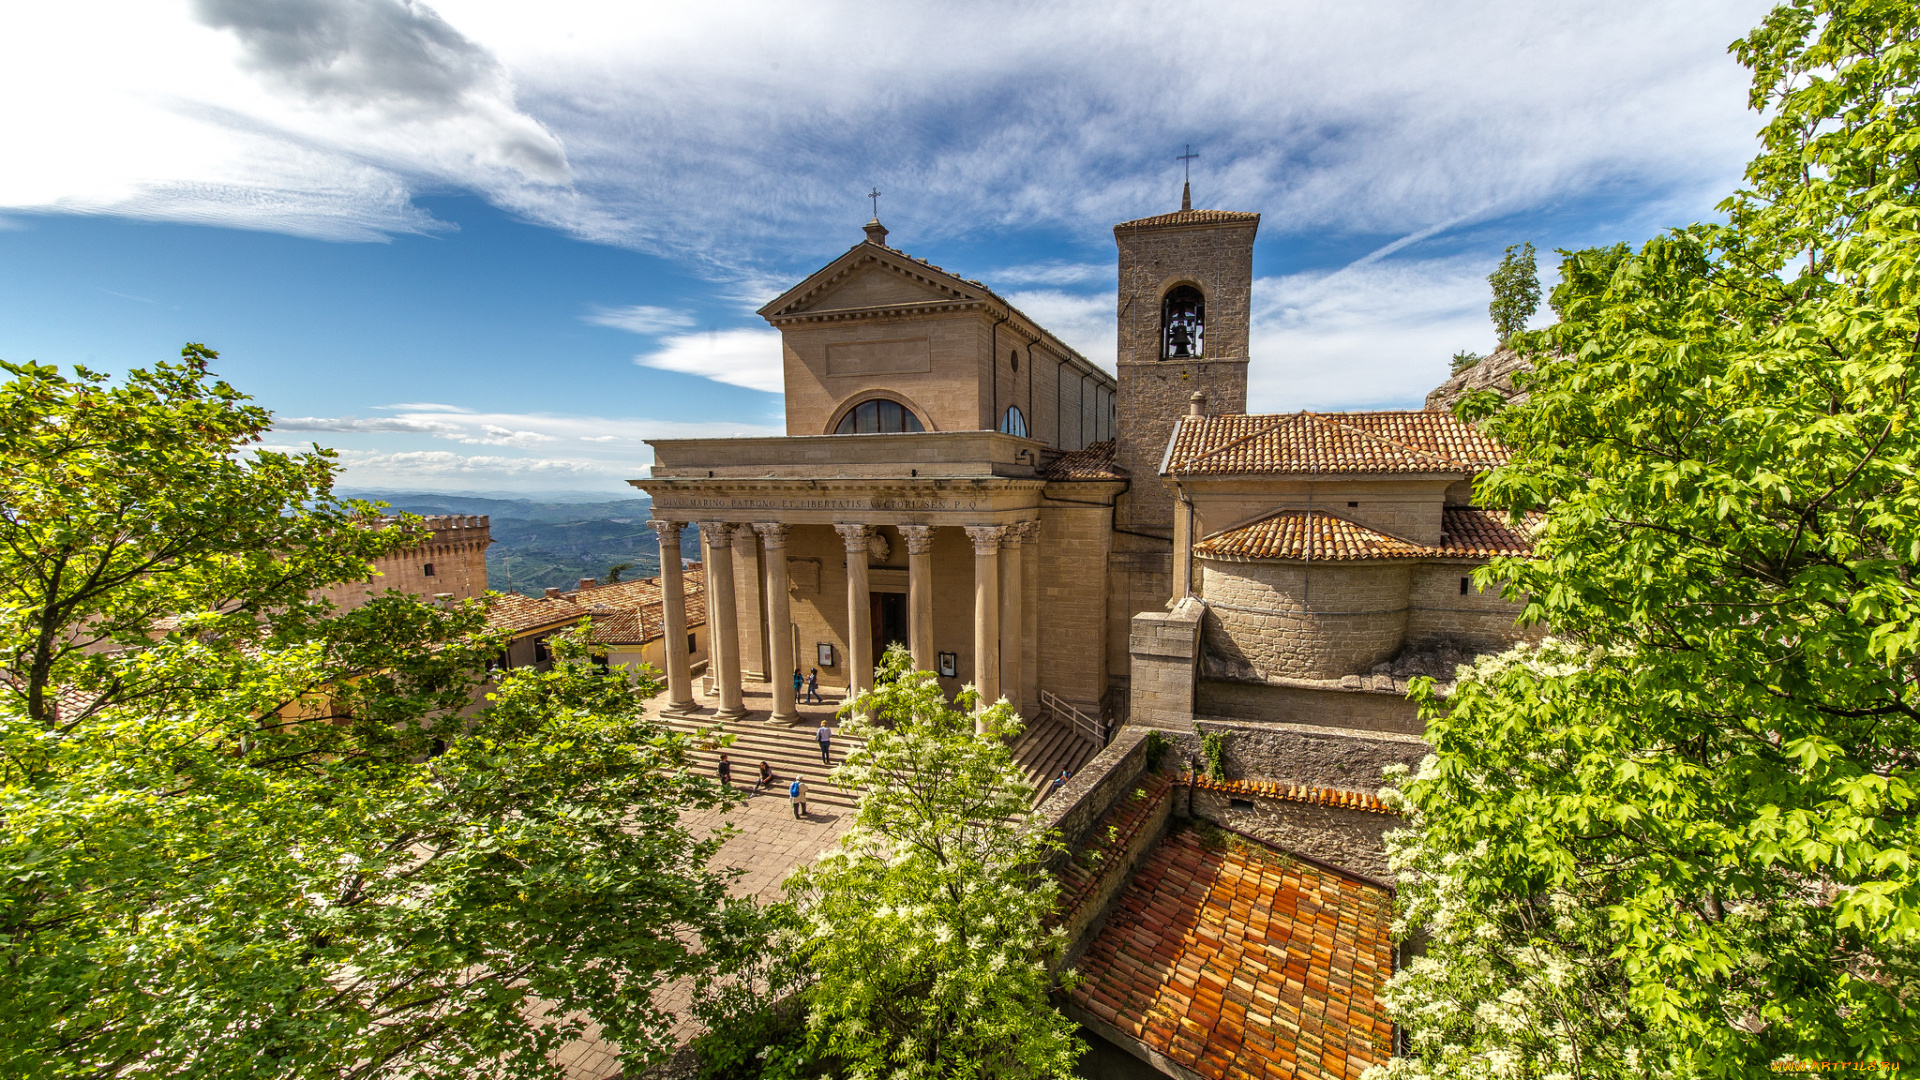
(783, 718)
(730, 714)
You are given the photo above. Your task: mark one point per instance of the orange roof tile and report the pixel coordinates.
(1189, 217)
(1092, 462)
(1403, 441)
(515, 613)
(1238, 962)
(1469, 532)
(1309, 534)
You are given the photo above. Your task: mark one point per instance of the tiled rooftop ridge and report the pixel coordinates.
(1466, 533)
(1391, 441)
(1300, 793)
(1190, 217)
(1238, 962)
(1091, 462)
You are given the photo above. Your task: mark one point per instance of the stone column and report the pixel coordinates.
(986, 611)
(1030, 617)
(779, 622)
(1012, 571)
(673, 602)
(746, 590)
(920, 595)
(859, 611)
(723, 631)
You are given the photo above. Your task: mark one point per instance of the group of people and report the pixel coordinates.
(797, 788)
(812, 685)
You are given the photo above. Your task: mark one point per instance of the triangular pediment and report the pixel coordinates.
(871, 277)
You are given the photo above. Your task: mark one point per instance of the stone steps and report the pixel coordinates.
(790, 751)
(1046, 747)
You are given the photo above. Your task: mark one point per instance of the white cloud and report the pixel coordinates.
(1086, 322)
(748, 357)
(739, 136)
(624, 435)
(640, 319)
(1050, 273)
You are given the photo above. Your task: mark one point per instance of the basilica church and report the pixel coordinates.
(1140, 549)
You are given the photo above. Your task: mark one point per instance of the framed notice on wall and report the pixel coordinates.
(826, 653)
(949, 664)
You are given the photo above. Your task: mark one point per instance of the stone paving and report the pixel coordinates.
(770, 843)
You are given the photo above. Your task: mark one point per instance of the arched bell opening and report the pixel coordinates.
(1183, 319)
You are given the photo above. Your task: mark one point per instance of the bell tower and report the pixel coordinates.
(1186, 291)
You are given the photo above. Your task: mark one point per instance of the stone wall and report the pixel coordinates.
(1295, 703)
(453, 563)
(1071, 598)
(1139, 578)
(1348, 839)
(1268, 620)
(1153, 396)
(1445, 610)
(1165, 654)
(1307, 754)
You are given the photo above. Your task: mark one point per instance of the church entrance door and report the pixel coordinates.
(888, 617)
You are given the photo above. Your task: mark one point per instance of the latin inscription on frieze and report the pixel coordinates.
(695, 502)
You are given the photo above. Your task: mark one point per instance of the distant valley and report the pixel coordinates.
(542, 545)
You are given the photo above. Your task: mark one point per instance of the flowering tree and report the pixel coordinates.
(1683, 842)
(923, 929)
(242, 834)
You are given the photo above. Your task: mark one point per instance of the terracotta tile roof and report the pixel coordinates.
(1302, 793)
(1092, 462)
(1238, 962)
(515, 613)
(1309, 534)
(1469, 532)
(634, 613)
(1188, 217)
(1404, 441)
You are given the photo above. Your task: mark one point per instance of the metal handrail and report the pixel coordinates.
(1093, 729)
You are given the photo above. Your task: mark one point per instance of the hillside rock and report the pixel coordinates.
(1495, 372)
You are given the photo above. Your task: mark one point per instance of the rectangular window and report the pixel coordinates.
(1239, 804)
(540, 652)
(691, 647)
(1353, 504)
(428, 569)
(1463, 586)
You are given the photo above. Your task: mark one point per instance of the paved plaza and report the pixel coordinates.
(769, 843)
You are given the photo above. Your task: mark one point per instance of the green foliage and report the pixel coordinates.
(615, 572)
(1465, 359)
(1157, 747)
(1683, 843)
(244, 835)
(1213, 748)
(1516, 292)
(924, 927)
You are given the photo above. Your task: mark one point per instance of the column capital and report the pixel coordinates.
(986, 538)
(919, 539)
(854, 536)
(668, 530)
(1029, 532)
(772, 533)
(717, 532)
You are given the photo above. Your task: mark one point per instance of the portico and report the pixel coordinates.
(848, 564)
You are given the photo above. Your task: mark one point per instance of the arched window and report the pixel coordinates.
(1015, 422)
(1183, 323)
(878, 417)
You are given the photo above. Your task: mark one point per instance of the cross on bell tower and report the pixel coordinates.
(1186, 186)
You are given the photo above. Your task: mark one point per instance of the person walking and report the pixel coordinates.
(813, 687)
(825, 738)
(724, 770)
(798, 682)
(797, 794)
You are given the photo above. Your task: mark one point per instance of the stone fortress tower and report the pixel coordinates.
(1185, 300)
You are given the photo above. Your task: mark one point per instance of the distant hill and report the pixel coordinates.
(549, 544)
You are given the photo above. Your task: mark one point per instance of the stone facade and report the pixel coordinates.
(1296, 620)
(453, 564)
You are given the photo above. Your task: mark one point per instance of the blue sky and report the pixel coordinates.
(494, 246)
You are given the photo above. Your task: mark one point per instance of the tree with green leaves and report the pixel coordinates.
(245, 834)
(616, 572)
(924, 930)
(1680, 840)
(1464, 359)
(1516, 292)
